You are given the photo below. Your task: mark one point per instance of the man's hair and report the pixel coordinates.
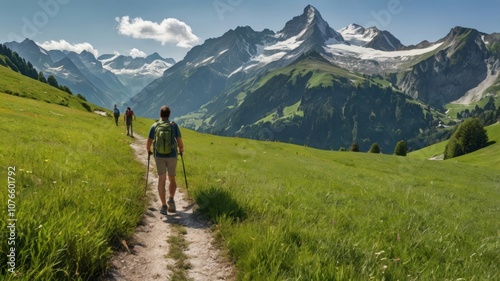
(164, 112)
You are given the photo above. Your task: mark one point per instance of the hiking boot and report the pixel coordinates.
(163, 210)
(171, 205)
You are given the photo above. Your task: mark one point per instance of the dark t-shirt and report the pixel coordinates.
(176, 134)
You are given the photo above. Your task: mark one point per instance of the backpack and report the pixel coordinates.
(129, 115)
(117, 112)
(163, 137)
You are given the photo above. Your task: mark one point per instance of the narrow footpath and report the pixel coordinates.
(148, 256)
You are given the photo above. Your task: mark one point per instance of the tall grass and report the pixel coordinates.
(294, 213)
(78, 189)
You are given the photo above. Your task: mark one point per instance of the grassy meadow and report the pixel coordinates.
(287, 212)
(79, 189)
(284, 212)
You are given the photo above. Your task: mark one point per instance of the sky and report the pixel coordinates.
(172, 27)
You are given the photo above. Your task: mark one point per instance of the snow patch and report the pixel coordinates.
(372, 54)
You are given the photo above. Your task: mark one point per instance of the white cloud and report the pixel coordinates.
(170, 30)
(63, 45)
(136, 53)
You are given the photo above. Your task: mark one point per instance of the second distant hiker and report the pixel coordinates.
(127, 119)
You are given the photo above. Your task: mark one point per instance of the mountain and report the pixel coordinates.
(136, 73)
(459, 65)
(219, 63)
(204, 73)
(31, 52)
(68, 73)
(310, 84)
(316, 103)
(105, 81)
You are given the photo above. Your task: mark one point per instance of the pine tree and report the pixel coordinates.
(41, 77)
(52, 81)
(401, 148)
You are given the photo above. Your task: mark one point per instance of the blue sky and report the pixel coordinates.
(172, 27)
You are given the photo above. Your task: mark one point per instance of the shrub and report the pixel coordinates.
(81, 97)
(86, 106)
(469, 136)
(375, 148)
(401, 148)
(354, 147)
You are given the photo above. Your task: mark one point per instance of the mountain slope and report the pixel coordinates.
(460, 65)
(315, 103)
(15, 84)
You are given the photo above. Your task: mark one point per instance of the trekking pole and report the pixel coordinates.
(184, 169)
(147, 174)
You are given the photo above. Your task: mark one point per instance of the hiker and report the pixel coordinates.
(166, 139)
(116, 113)
(127, 119)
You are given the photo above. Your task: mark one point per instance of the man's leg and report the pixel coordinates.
(161, 189)
(172, 186)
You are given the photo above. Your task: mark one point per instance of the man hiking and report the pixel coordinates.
(167, 143)
(116, 113)
(127, 119)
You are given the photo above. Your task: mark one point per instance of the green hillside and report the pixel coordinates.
(486, 157)
(16, 84)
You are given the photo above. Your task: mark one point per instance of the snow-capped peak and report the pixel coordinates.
(357, 35)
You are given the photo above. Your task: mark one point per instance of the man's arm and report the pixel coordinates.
(180, 144)
(148, 145)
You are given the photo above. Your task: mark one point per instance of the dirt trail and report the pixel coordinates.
(148, 247)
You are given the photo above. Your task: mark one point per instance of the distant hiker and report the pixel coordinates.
(165, 137)
(127, 119)
(116, 113)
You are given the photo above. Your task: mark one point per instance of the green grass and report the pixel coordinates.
(177, 246)
(454, 108)
(293, 213)
(78, 189)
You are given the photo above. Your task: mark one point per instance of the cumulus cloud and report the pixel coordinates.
(63, 45)
(170, 30)
(136, 53)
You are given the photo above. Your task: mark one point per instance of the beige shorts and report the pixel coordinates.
(166, 164)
